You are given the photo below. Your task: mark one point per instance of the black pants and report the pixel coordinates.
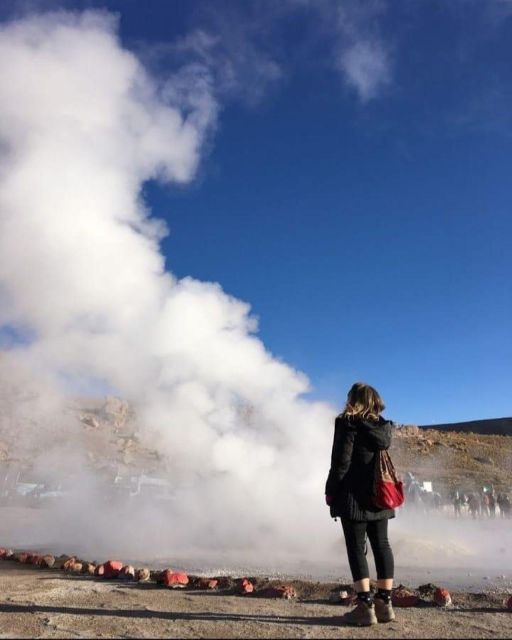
(355, 538)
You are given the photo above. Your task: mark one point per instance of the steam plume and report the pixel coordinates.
(83, 125)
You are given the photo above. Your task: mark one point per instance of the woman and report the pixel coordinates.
(360, 432)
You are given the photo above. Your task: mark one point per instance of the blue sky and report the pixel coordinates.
(356, 190)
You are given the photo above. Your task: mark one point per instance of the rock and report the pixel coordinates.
(173, 579)
(245, 586)
(68, 564)
(284, 591)
(127, 573)
(142, 575)
(89, 568)
(340, 597)
(21, 557)
(225, 582)
(427, 589)
(100, 570)
(76, 567)
(402, 597)
(442, 597)
(207, 583)
(47, 561)
(116, 411)
(112, 568)
(157, 576)
(90, 421)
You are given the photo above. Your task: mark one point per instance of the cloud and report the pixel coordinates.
(365, 66)
(361, 54)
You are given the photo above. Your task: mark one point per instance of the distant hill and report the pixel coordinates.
(493, 426)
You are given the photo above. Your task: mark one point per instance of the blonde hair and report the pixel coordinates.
(364, 402)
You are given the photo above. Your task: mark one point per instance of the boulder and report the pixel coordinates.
(142, 575)
(112, 568)
(402, 597)
(442, 597)
(127, 573)
(245, 586)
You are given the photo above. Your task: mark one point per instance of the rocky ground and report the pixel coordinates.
(454, 459)
(49, 604)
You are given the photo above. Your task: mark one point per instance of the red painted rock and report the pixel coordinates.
(100, 570)
(442, 597)
(509, 604)
(207, 583)
(127, 573)
(142, 575)
(402, 597)
(246, 586)
(47, 562)
(174, 579)
(112, 568)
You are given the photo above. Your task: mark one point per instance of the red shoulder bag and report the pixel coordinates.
(388, 489)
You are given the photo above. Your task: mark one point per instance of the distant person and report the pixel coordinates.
(491, 504)
(360, 432)
(457, 504)
(437, 500)
(484, 504)
(504, 505)
(474, 505)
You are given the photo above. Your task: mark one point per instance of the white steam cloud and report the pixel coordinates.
(82, 126)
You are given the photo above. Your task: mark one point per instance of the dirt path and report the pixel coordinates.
(45, 604)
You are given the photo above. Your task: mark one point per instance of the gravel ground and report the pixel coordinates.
(49, 604)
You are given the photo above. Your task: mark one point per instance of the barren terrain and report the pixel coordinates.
(48, 604)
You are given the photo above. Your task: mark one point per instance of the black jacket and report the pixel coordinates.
(350, 480)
